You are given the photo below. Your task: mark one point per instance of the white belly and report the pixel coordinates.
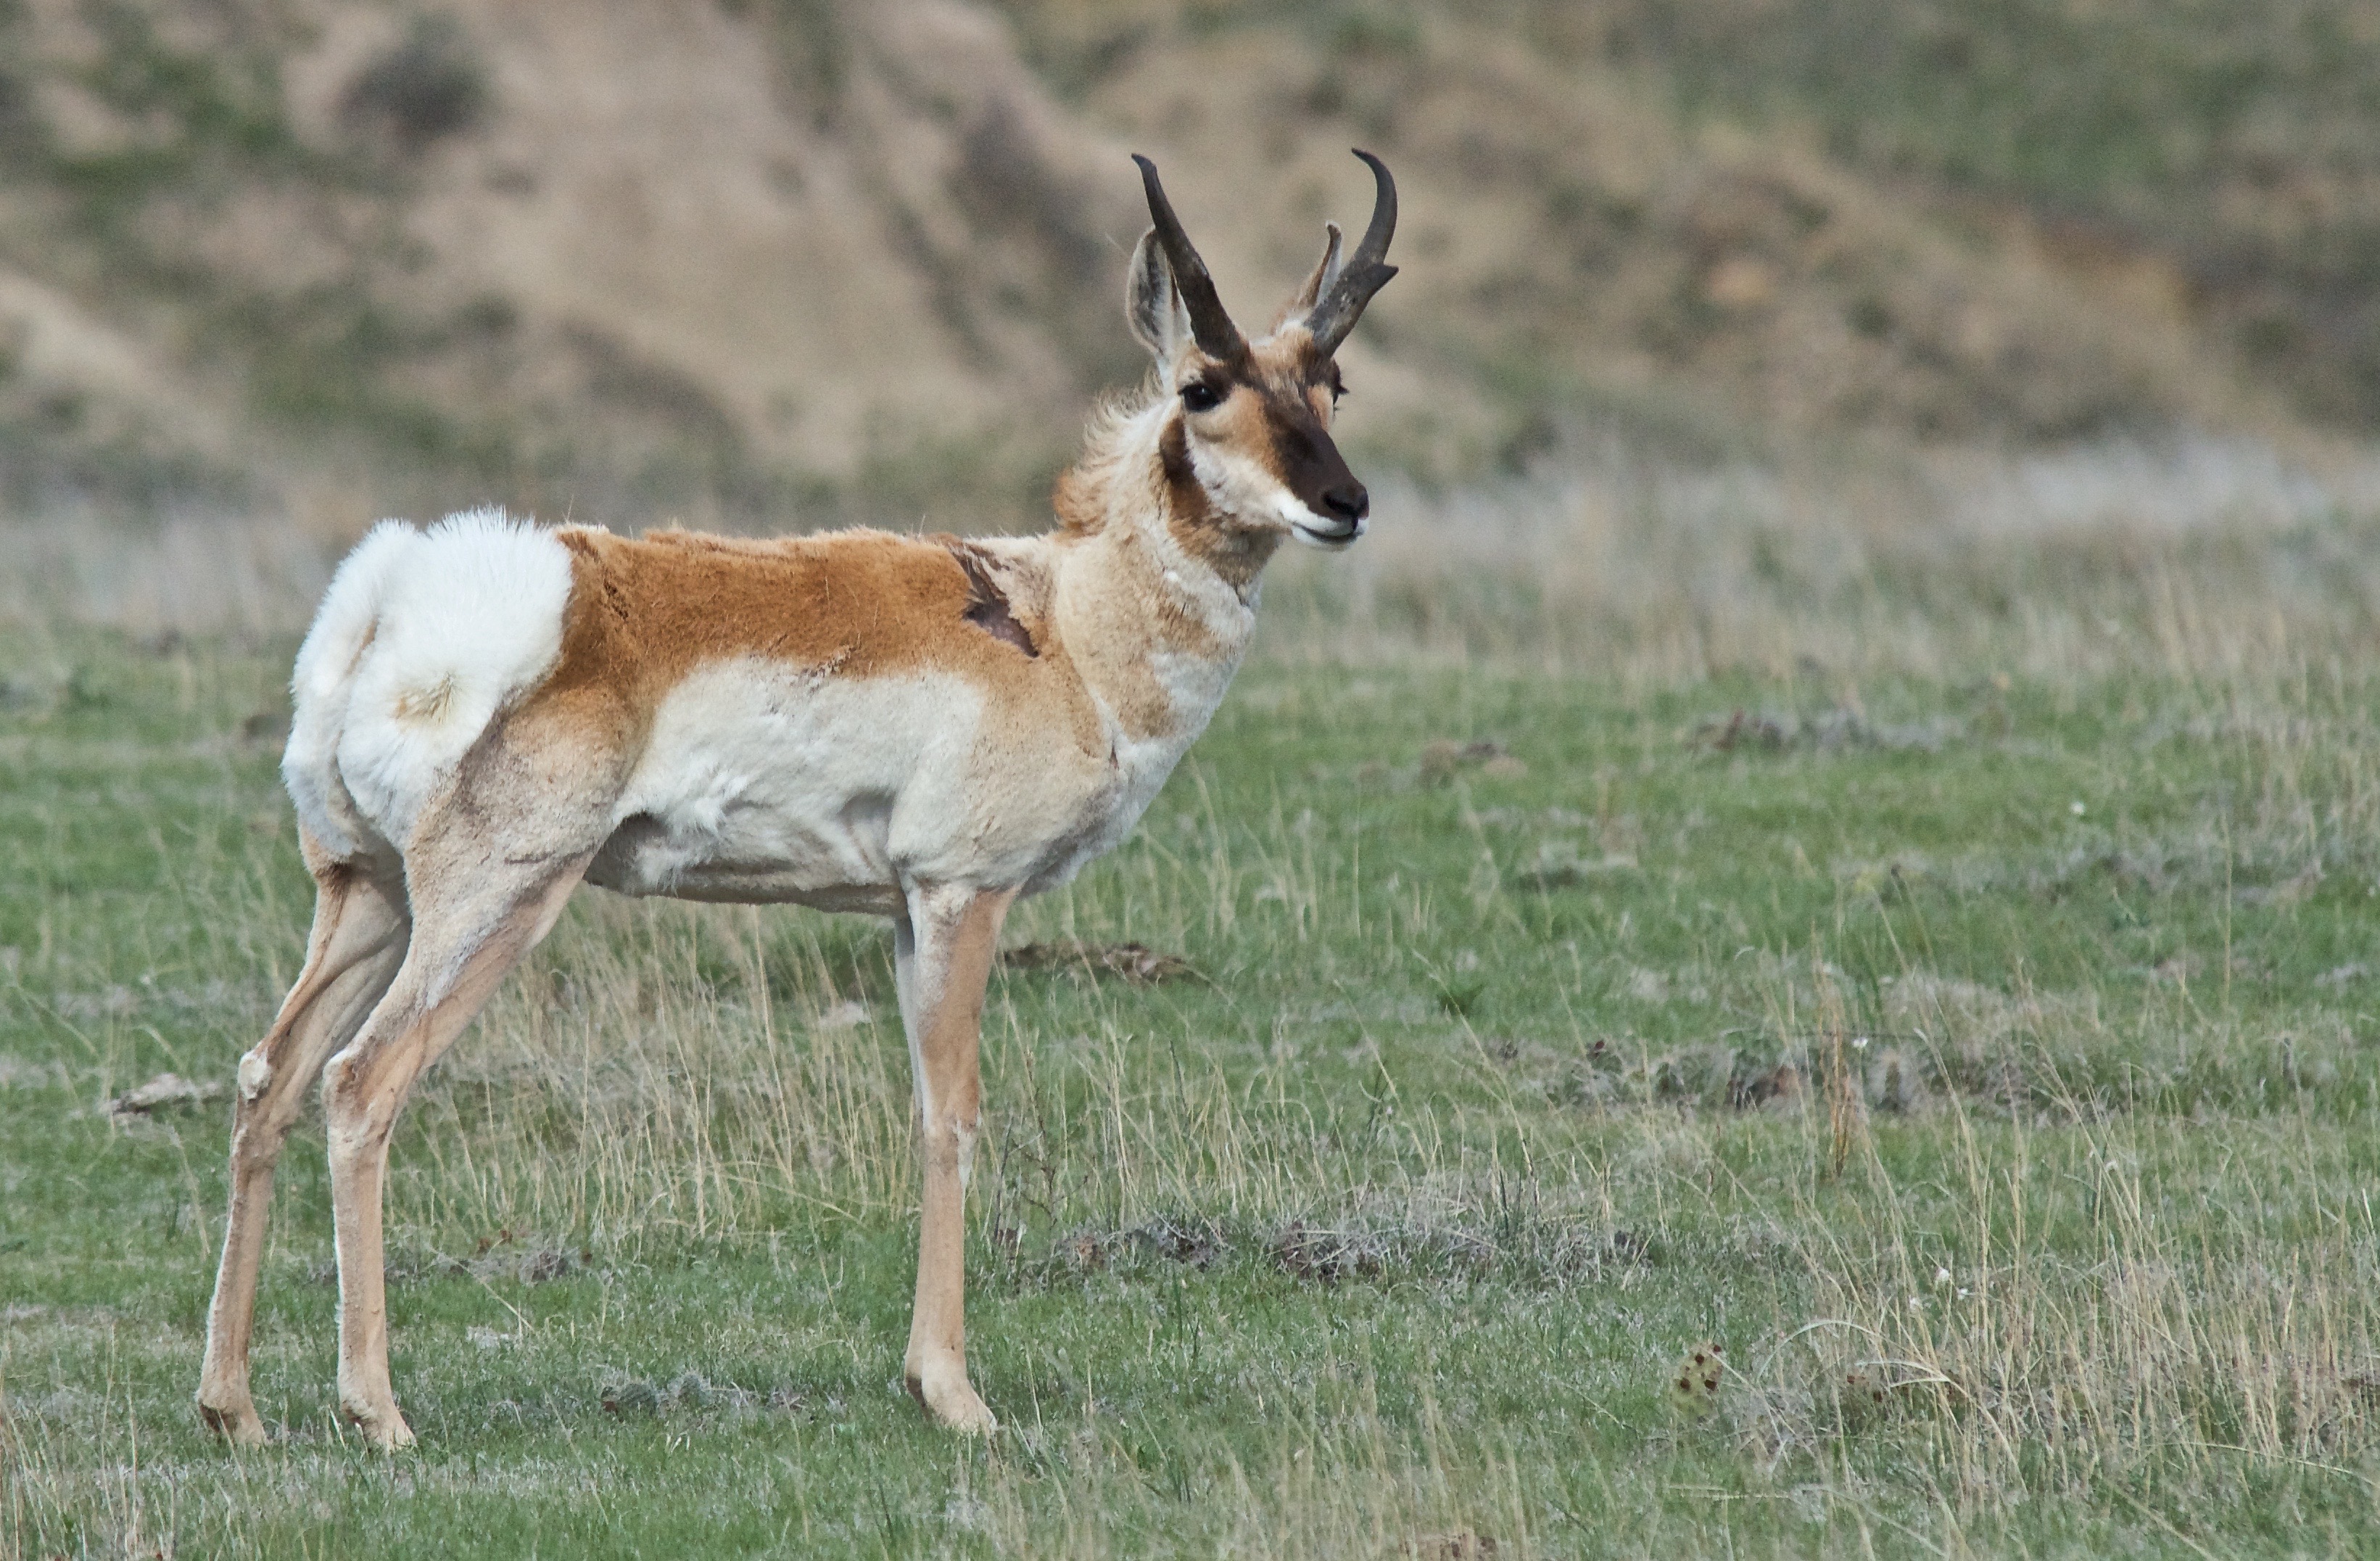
(762, 783)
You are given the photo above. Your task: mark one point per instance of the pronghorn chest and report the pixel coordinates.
(1137, 764)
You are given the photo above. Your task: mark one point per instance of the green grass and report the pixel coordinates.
(2017, 1154)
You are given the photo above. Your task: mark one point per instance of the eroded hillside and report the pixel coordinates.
(785, 263)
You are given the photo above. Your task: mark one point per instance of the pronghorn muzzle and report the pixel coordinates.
(1317, 475)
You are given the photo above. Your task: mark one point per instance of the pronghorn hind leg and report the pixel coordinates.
(472, 921)
(352, 954)
(944, 950)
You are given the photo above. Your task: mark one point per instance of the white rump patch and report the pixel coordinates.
(421, 638)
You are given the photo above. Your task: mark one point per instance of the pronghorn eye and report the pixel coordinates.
(1200, 397)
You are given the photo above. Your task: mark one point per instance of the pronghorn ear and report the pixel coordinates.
(1153, 304)
(1326, 271)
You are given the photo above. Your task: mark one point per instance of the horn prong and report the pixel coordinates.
(1367, 271)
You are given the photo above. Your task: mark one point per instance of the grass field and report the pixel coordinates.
(1941, 987)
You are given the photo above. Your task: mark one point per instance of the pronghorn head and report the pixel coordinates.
(1246, 439)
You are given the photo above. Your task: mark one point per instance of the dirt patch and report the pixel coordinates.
(1831, 731)
(1430, 1238)
(504, 1255)
(1891, 1071)
(1195, 1243)
(692, 1392)
(1134, 962)
(164, 1092)
(1319, 1252)
(1442, 761)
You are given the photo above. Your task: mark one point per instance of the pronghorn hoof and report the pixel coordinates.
(384, 1428)
(235, 1424)
(953, 1405)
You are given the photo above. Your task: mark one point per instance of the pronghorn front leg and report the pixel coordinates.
(944, 950)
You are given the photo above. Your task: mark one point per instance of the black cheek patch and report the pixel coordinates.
(1181, 482)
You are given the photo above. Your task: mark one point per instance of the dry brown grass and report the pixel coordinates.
(2187, 558)
(2192, 560)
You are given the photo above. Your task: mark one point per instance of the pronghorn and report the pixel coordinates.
(486, 715)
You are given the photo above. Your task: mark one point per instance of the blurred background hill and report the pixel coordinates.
(779, 264)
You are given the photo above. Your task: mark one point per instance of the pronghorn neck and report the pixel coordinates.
(1155, 598)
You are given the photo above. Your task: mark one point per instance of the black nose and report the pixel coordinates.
(1349, 503)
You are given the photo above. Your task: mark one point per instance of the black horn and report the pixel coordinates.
(1367, 271)
(1217, 336)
